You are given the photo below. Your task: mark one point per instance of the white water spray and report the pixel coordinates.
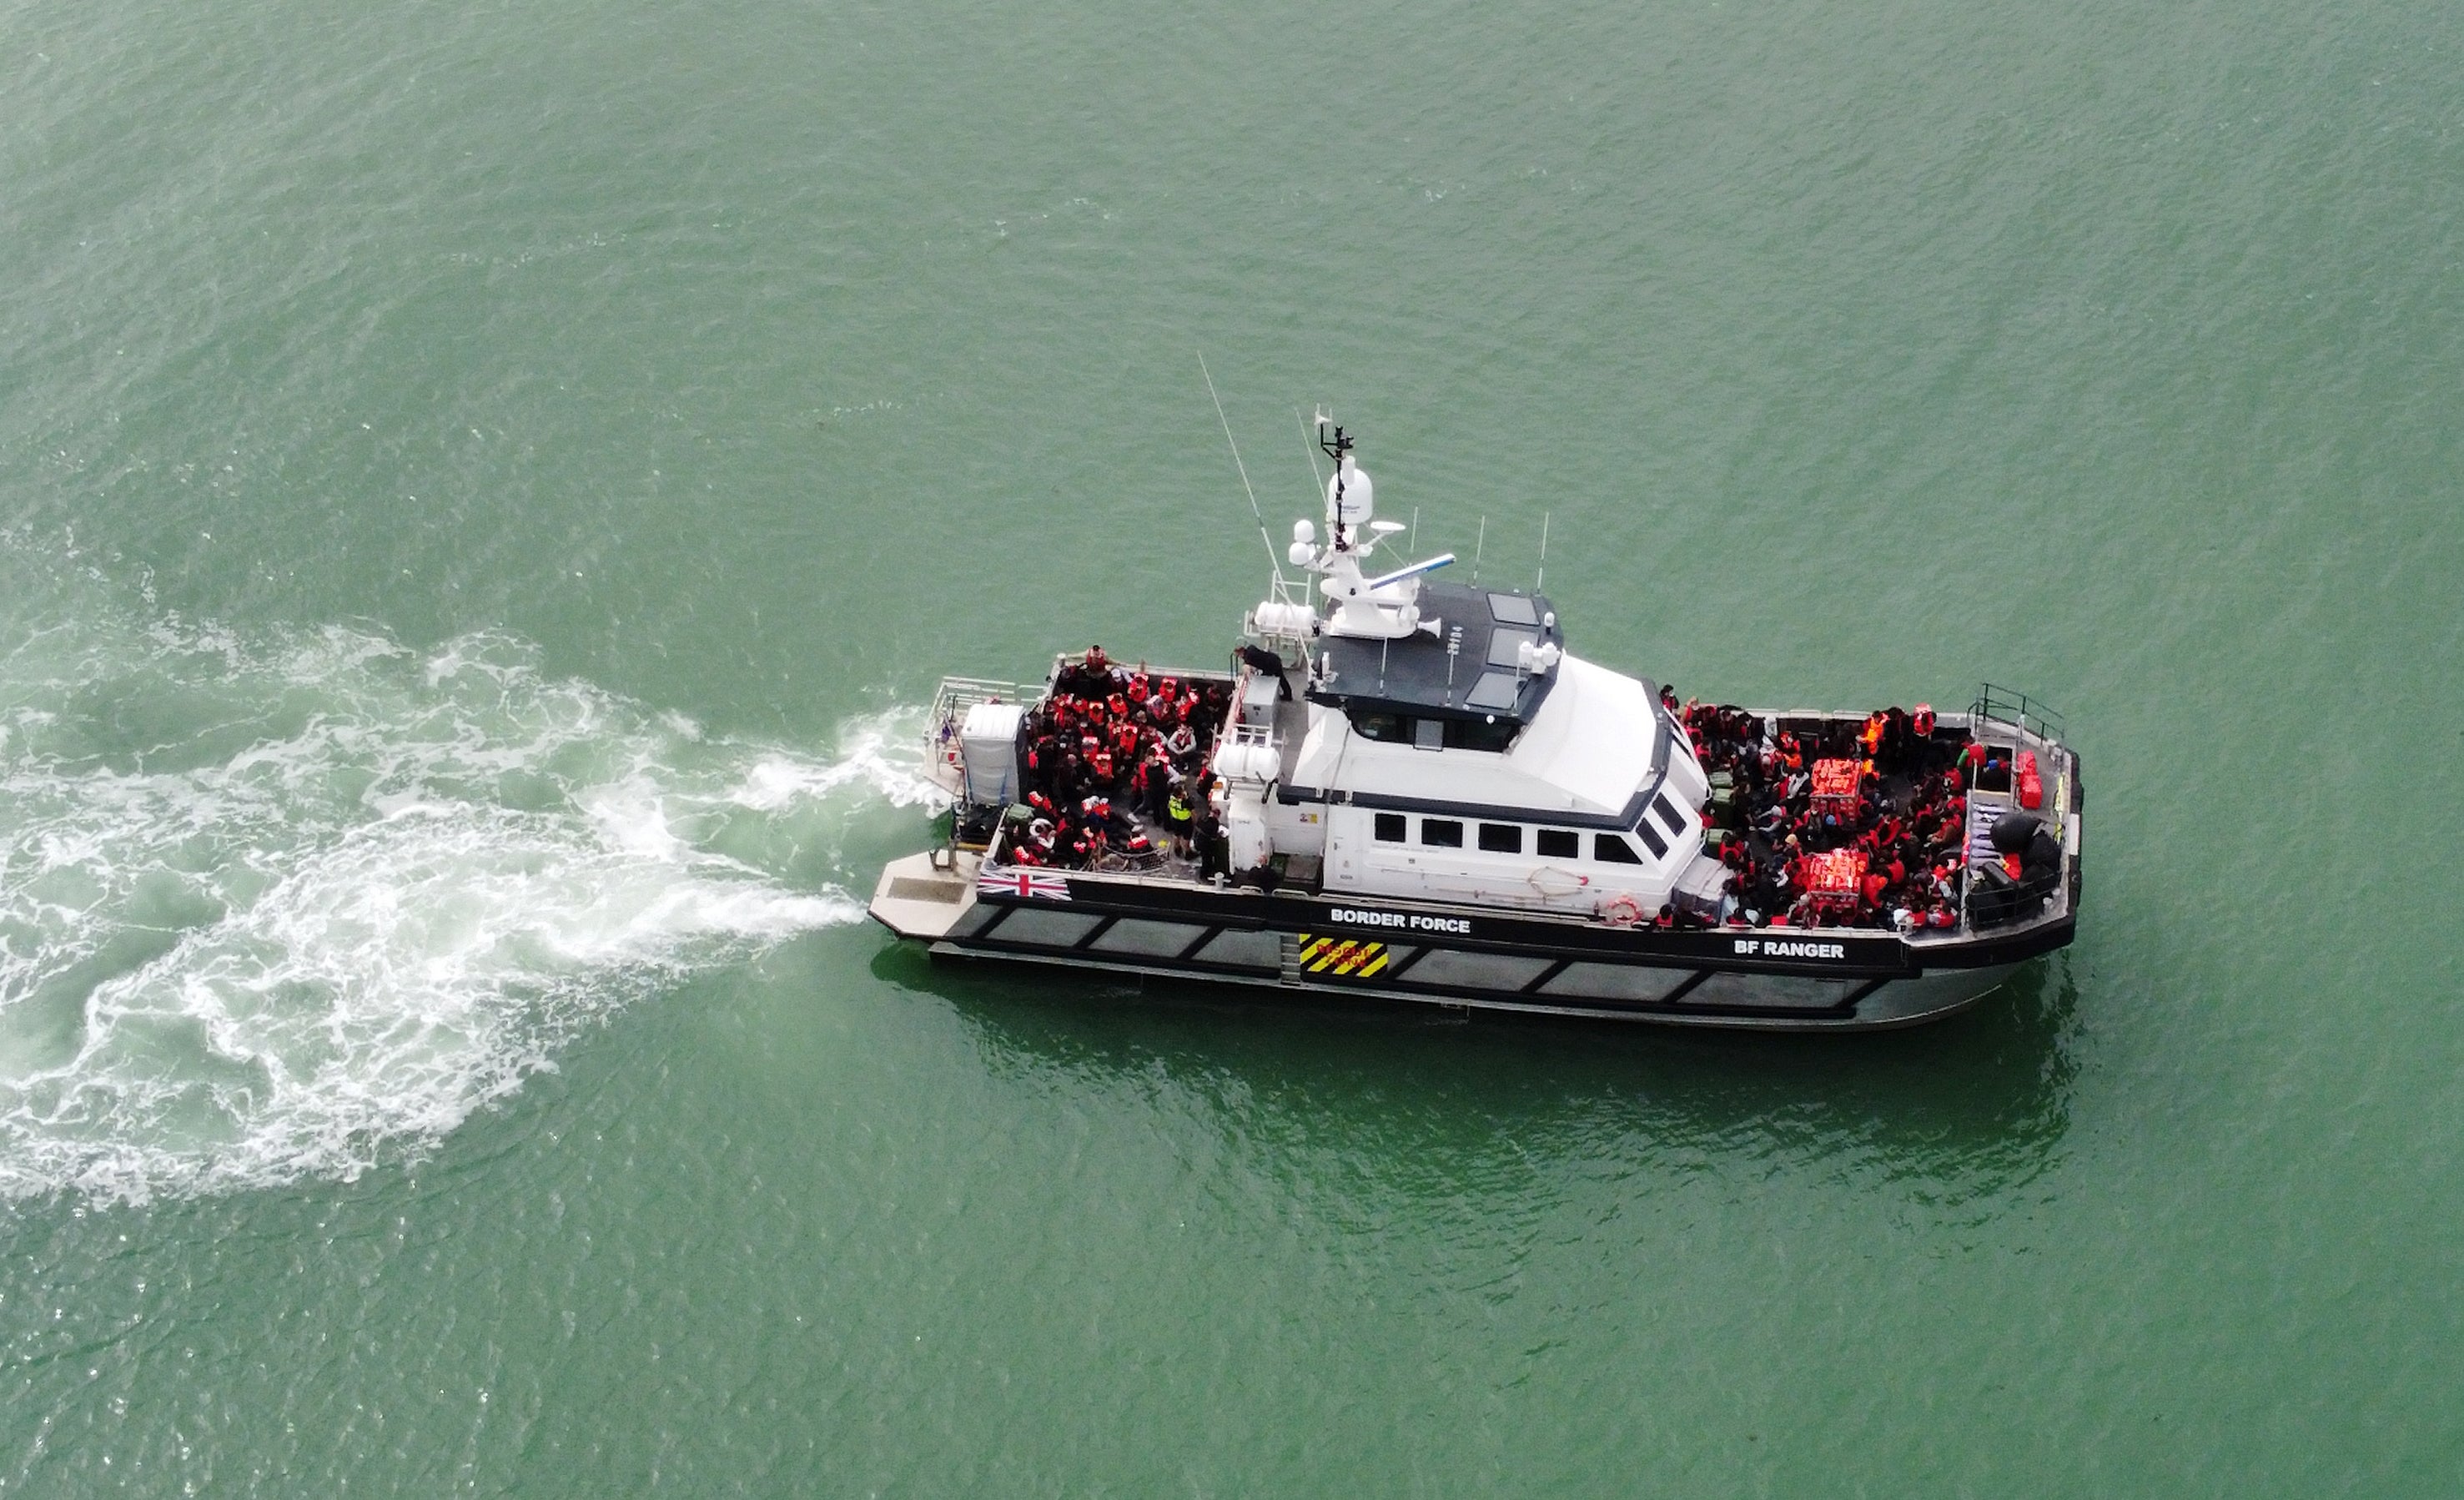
(287, 907)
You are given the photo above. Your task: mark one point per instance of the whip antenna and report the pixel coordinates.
(1273, 562)
(1544, 552)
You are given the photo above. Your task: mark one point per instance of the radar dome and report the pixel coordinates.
(1350, 497)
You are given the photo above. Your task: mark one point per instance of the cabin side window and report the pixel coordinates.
(1651, 836)
(1669, 815)
(1388, 828)
(1559, 844)
(1610, 849)
(1501, 838)
(1441, 832)
(1493, 734)
(1375, 724)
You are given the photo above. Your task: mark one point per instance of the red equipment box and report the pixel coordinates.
(2031, 783)
(1835, 786)
(1834, 878)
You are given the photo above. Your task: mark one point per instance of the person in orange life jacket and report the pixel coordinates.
(1091, 677)
(1153, 786)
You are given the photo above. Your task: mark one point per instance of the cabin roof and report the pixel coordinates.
(1417, 676)
(1589, 760)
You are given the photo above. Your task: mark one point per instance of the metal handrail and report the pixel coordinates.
(949, 704)
(2017, 709)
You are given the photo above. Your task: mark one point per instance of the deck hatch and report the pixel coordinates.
(1459, 969)
(1616, 982)
(1496, 691)
(1502, 645)
(1770, 992)
(1045, 929)
(1242, 950)
(1146, 939)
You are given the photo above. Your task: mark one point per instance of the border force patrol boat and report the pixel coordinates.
(1401, 790)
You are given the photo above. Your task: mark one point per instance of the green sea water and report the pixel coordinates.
(486, 491)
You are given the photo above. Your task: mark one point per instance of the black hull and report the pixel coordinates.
(1411, 953)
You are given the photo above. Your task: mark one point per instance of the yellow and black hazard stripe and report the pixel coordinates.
(1345, 958)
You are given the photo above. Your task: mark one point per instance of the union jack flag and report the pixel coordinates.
(1012, 880)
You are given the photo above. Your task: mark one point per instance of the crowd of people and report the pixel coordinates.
(1115, 757)
(1904, 811)
(1109, 741)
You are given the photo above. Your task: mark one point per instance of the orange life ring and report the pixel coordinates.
(1621, 911)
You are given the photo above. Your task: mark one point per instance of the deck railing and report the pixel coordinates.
(2017, 709)
(949, 715)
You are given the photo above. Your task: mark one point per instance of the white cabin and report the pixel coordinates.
(1439, 743)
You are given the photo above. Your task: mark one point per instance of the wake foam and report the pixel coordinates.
(288, 906)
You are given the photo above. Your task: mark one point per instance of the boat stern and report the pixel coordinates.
(923, 895)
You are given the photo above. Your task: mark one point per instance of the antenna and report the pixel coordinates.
(1414, 545)
(1411, 570)
(1273, 562)
(1336, 449)
(1544, 550)
(1308, 446)
(1475, 551)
